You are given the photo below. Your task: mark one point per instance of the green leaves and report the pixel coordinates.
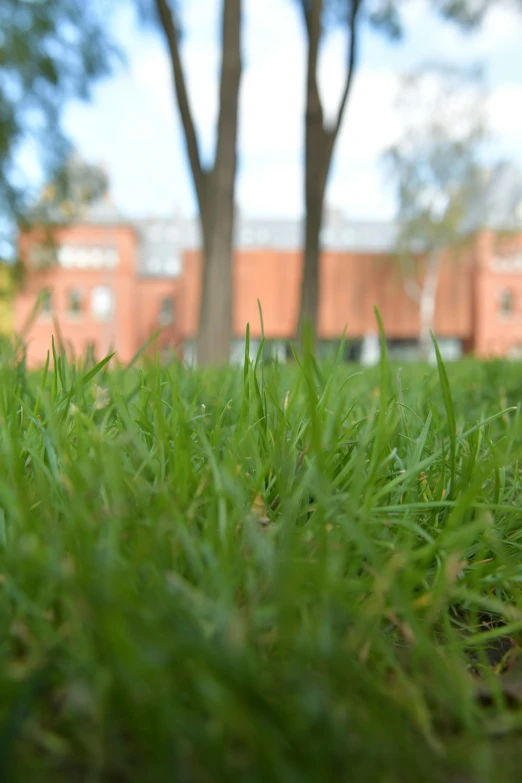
(450, 413)
(468, 14)
(50, 53)
(95, 370)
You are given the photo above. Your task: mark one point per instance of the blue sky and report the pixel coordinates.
(132, 124)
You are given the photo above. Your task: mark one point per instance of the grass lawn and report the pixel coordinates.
(284, 574)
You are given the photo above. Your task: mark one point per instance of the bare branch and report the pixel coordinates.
(352, 62)
(169, 27)
(304, 5)
(313, 106)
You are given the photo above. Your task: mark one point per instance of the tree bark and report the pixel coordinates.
(309, 310)
(427, 301)
(215, 188)
(216, 310)
(319, 146)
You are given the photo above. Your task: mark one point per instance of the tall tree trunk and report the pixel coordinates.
(315, 180)
(215, 187)
(216, 310)
(216, 303)
(428, 300)
(319, 146)
(309, 310)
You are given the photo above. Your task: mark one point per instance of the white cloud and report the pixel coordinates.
(275, 189)
(445, 40)
(371, 123)
(505, 111)
(361, 193)
(501, 28)
(272, 103)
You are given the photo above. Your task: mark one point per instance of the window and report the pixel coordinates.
(172, 233)
(172, 266)
(328, 236)
(505, 303)
(166, 311)
(97, 258)
(66, 257)
(155, 232)
(263, 236)
(47, 303)
(75, 302)
(102, 302)
(89, 257)
(189, 353)
(154, 265)
(111, 258)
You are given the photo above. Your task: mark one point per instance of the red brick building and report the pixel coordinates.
(115, 282)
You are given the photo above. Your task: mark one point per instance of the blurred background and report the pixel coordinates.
(166, 164)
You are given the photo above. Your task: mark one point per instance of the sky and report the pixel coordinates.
(132, 125)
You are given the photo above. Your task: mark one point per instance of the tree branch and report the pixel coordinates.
(304, 4)
(316, 140)
(198, 173)
(352, 62)
(314, 109)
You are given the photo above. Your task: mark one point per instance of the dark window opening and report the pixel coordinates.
(506, 303)
(75, 302)
(166, 311)
(47, 302)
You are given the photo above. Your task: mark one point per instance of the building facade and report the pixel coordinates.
(114, 283)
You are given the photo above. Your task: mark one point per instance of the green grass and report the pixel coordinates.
(306, 573)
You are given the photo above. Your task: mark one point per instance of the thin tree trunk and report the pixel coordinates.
(428, 300)
(215, 188)
(314, 155)
(319, 146)
(309, 311)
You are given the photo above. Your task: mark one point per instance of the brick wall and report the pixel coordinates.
(498, 329)
(351, 284)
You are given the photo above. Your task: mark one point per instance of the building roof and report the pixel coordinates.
(162, 241)
(161, 244)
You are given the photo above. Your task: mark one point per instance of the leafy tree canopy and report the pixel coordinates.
(437, 163)
(51, 51)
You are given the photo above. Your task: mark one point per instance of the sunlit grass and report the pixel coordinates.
(304, 573)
